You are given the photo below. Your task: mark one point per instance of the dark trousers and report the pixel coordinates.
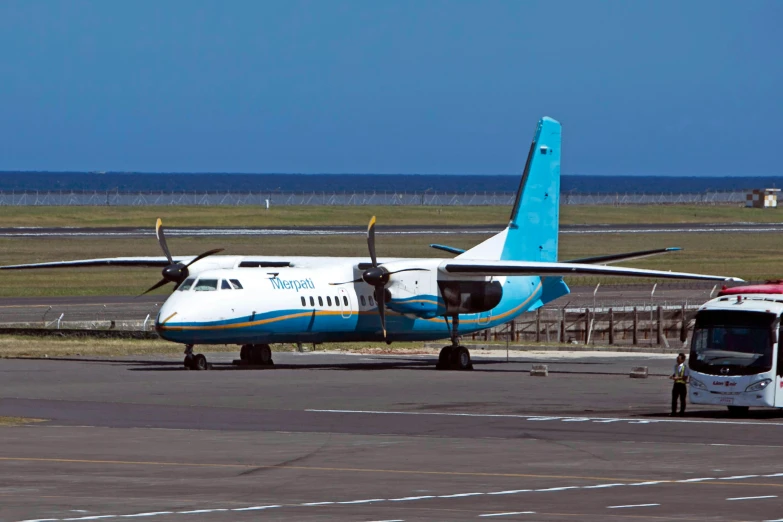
(679, 390)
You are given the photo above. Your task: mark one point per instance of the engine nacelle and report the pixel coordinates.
(404, 302)
(470, 297)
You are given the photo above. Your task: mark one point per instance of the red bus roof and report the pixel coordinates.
(770, 287)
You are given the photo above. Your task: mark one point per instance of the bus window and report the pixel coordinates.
(206, 285)
(187, 284)
(225, 285)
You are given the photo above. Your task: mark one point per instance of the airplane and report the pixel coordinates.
(254, 301)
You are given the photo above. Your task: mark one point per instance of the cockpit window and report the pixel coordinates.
(186, 284)
(224, 285)
(206, 285)
(237, 284)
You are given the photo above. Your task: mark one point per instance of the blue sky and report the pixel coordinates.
(643, 87)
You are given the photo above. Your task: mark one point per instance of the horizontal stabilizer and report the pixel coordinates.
(449, 249)
(616, 258)
(522, 268)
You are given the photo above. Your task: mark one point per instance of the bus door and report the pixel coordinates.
(778, 357)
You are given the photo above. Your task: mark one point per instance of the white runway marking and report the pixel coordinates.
(429, 497)
(509, 513)
(632, 506)
(538, 418)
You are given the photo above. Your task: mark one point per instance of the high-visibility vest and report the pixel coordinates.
(680, 376)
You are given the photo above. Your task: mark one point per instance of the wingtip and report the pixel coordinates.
(372, 223)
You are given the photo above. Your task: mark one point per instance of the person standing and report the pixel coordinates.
(680, 389)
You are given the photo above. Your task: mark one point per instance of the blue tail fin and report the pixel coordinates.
(532, 231)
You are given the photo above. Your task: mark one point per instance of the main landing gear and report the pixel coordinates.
(195, 362)
(454, 357)
(256, 355)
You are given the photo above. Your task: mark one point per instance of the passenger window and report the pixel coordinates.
(224, 285)
(237, 284)
(187, 284)
(206, 285)
(304, 303)
(328, 300)
(345, 300)
(372, 301)
(362, 298)
(320, 301)
(312, 301)
(336, 301)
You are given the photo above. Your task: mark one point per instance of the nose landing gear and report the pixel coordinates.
(195, 362)
(454, 357)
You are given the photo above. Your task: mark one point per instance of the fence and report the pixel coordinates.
(645, 325)
(76, 198)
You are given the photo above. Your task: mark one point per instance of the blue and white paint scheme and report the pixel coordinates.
(255, 301)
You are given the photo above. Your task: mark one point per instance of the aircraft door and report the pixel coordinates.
(346, 303)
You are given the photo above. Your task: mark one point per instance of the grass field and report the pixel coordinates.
(17, 421)
(57, 347)
(750, 256)
(246, 216)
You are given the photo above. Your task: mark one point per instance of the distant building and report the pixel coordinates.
(762, 198)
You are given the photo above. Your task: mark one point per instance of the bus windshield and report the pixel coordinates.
(732, 343)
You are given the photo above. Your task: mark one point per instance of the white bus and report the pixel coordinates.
(735, 359)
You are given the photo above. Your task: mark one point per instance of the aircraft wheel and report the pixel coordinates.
(261, 354)
(444, 358)
(200, 362)
(460, 358)
(188, 362)
(244, 353)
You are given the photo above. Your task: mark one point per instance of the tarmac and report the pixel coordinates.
(331, 436)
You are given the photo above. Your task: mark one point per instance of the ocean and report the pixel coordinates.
(338, 183)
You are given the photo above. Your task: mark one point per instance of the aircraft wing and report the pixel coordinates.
(106, 261)
(616, 258)
(597, 260)
(521, 268)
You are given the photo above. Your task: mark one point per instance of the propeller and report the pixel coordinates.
(174, 272)
(378, 276)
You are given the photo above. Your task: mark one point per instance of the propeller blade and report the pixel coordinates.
(348, 282)
(380, 298)
(205, 254)
(162, 241)
(371, 241)
(155, 286)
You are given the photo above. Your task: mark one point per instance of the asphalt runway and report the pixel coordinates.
(106, 232)
(361, 438)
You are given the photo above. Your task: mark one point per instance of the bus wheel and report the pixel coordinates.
(738, 411)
